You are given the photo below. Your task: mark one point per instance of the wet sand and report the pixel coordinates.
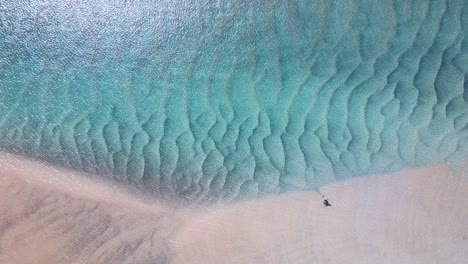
(52, 215)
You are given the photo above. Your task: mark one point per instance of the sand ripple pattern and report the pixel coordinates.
(235, 99)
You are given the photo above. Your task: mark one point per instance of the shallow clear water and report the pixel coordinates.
(232, 99)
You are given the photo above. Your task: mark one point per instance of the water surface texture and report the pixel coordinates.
(214, 99)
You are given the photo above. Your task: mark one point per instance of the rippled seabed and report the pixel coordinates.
(234, 99)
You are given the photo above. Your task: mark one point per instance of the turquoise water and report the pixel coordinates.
(234, 99)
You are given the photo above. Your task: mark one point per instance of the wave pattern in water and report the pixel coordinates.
(233, 99)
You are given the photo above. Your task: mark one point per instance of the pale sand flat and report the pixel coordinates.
(51, 215)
